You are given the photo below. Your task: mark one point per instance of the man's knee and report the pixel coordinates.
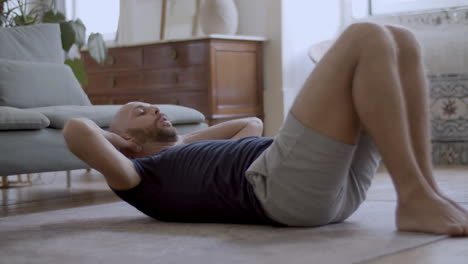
(408, 45)
(373, 39)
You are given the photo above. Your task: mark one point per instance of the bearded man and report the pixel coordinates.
(366, 99)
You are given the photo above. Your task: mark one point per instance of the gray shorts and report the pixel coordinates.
(307, 179)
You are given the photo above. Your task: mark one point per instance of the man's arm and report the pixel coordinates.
(233, 129)
(93, 145)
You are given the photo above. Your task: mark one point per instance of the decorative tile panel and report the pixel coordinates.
(450, 153)
(449, 106)
(449, 114)
(453, 16)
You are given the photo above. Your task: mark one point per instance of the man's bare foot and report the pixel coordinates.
(431, 214)
(438, 191)
(455, 204)
(452, 202)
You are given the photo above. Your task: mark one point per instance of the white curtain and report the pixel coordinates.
(139, 21)
(59, 4)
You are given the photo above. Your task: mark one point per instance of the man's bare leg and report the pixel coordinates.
(358, 83)
(415, 91)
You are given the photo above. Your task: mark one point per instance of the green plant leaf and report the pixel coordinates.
(19, 20)
(97, 48)
(53, 17)
(78, 68)
(80, 32)
(68, 35)
(24, 21)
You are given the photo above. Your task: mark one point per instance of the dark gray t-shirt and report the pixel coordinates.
(200, 182)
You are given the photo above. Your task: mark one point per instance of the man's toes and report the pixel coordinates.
(456, 230)
(464, 231)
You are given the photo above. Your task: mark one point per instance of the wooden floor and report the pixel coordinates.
(49, 192)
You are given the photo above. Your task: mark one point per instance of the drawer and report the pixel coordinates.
(196, 100)
(113, 81)
(188, 78)
(175, 54)
(118, 58)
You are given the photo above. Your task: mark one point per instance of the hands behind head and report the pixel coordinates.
(125, 145)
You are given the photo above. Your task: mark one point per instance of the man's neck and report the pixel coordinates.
(151, 148)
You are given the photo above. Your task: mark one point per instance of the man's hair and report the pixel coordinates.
(115, 126)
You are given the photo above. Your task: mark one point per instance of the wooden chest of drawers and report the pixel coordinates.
(222, 78)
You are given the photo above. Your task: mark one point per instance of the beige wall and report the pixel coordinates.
(304, 22)
(263, 18)
(291, 26)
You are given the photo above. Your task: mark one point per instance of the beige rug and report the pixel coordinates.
(117, 233)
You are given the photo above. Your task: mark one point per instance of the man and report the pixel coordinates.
(368, 88)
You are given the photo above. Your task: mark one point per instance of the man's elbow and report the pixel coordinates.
(73, 130)
(257, 124)
(70, 127)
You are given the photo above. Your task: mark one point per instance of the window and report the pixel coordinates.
(98, 16)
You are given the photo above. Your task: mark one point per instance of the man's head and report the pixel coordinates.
(143, 123)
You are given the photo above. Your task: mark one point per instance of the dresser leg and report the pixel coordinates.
(4, 182)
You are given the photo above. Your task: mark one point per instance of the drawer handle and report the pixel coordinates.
(112, 82)
(174, 77)
(173, 54)
(110, 60)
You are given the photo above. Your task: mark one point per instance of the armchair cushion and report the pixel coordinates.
(102, 114)
(40, 43)
(35, 84)
(15, 119)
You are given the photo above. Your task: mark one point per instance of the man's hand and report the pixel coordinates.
(125, 145)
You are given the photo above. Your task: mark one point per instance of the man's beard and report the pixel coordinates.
(161, 135)
(167, 134)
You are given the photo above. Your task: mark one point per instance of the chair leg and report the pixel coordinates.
(68, 179)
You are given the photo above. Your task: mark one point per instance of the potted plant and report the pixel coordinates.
(73, 32)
